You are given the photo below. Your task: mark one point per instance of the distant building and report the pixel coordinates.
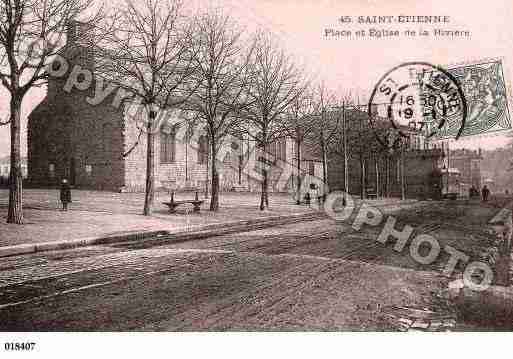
(5, 169)
(452, 183)
(378, 170)
(468, 164)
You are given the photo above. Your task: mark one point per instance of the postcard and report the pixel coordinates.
(169, 167)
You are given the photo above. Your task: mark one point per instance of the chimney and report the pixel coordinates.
(80, 38)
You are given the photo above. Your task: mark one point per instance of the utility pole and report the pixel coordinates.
(346, 173)
(448, 155)
(403, 191)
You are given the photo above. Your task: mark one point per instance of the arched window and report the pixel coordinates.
(167, 144)
(203, 149)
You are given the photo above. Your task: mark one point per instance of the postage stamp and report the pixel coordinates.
(487, 102)
(416, 97)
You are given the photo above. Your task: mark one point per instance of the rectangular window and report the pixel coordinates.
(311, 168)
(88, 169)
(282, 149)
(272, 151)
(203, 149)
(167, 146)
(51, 170)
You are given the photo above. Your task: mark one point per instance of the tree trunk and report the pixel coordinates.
(150, 167)
(362, 178)
(346, 173)
(387, 175)
(377, 176)
(15, 212)
(206, 177)
(264, 197)
(324, 165)
(298, 154)
(214, 197)
(186, 144)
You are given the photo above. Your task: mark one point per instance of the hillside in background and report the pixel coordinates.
(498, 165)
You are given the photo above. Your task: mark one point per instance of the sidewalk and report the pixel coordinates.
(106, 214)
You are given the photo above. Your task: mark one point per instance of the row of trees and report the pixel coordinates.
(232, 83)
(205, 65)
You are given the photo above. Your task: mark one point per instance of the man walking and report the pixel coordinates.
(65, 194)
(485, 192)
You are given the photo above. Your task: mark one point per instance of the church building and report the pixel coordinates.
(98, 145)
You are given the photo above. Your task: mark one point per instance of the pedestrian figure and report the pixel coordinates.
(311, 195)
(485, 192)
(307, 198)
(314, 193)
(473, 192)
(65, 194)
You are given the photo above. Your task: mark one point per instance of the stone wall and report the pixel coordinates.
(185, 172)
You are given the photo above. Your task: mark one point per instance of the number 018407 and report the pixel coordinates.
(25, 346)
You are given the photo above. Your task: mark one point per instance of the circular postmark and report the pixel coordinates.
(415, 97)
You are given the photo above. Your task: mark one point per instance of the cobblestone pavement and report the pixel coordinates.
(309, 276)
(317, 275)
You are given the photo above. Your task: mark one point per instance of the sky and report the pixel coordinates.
(351, 65)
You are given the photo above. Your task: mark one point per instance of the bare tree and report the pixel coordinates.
(327, 125)
(300, 123)
(150, 54)
(276, 84)
(31, 34)
(220, 77)
(359, 141)
(339, 145)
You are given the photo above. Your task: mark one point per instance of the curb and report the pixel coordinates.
(74, 243)
(161, 237)
(223, 229)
